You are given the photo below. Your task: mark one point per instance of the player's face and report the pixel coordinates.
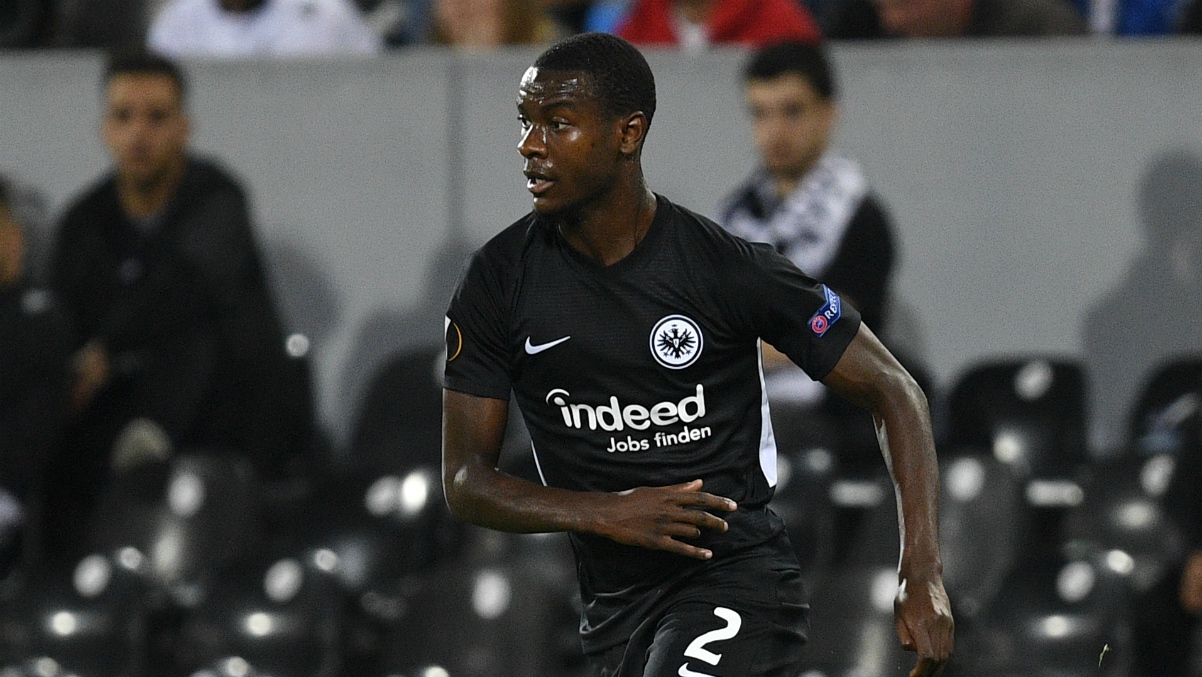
(571, 144)
(145, 127)
(791, 123)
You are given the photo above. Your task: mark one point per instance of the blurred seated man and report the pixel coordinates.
(808, 201)
(858, 19)
(491, 24)
(176, 337)
(694, 25)
(33, 378)
(246, 28)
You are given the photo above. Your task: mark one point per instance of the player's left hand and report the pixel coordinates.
(923, 615)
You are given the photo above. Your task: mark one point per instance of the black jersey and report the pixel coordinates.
(646, 372)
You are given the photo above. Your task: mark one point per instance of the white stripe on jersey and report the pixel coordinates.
(767, 438)
(537, 465)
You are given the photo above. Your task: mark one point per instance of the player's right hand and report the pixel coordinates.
(923, 616)
(656, 517)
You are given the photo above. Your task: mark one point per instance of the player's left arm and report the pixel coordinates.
(869, 375)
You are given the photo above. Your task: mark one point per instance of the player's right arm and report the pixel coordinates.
(477, 492)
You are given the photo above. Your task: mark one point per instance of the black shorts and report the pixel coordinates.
(745, 616)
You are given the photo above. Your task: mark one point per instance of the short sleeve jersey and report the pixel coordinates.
(646, 372)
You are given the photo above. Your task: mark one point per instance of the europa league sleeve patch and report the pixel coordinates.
(454, 339)
(828, 314)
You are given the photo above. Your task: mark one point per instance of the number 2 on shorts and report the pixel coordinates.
(696, 648)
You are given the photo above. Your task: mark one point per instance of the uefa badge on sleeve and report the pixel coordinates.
(676, 341)
(828, 314)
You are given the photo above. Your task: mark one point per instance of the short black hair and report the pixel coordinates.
(5, 193)
(806, 60)
(621, 76)
(141, 62)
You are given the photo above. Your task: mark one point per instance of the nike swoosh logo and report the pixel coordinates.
(686, 672)
(532, 349)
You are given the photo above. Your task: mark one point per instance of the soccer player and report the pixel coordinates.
(629, 329)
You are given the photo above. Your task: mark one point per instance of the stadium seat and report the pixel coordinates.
(802, 499)
(265, 618)
(1122, 513)
(380, 527)
(1050, 621)
(399, 426)
(852, 632)
(186, 516)
(1150, 506)
(86, 622)
(1029, 413)
(1132, 502)
(980, 518)
(851, 603)
(364, 530)
(509, 608)
(1168, 412)
(181, 521)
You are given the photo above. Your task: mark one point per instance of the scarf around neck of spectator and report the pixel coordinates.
(808, 225)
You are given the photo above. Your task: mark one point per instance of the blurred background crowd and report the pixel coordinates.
(245, 27)
(186, 490)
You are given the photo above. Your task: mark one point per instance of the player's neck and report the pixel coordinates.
(609, 231)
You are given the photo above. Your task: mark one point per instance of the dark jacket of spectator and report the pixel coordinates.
(181, 304)
(33, 383)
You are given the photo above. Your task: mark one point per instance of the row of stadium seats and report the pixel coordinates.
(1045, 549)
(199, 569)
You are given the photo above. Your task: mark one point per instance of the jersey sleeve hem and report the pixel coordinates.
(833, 352)
(494, 392)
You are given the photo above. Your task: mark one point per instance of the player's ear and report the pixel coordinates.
(634, 131)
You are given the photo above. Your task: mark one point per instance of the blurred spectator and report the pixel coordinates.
(243, 28)
(808, 201)
(1191, 19)
(695, 24)
(398, 22)
(1131, 17)
(176, 338)
(33, 361)
(487, 24)
(572, 15)
(104, 24)
(859, 19)
(23, 22)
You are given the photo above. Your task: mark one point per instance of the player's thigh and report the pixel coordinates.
(731, 638)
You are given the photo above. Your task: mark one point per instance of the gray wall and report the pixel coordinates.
(1014, 172)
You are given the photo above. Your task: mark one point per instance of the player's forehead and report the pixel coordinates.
(542, 88)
